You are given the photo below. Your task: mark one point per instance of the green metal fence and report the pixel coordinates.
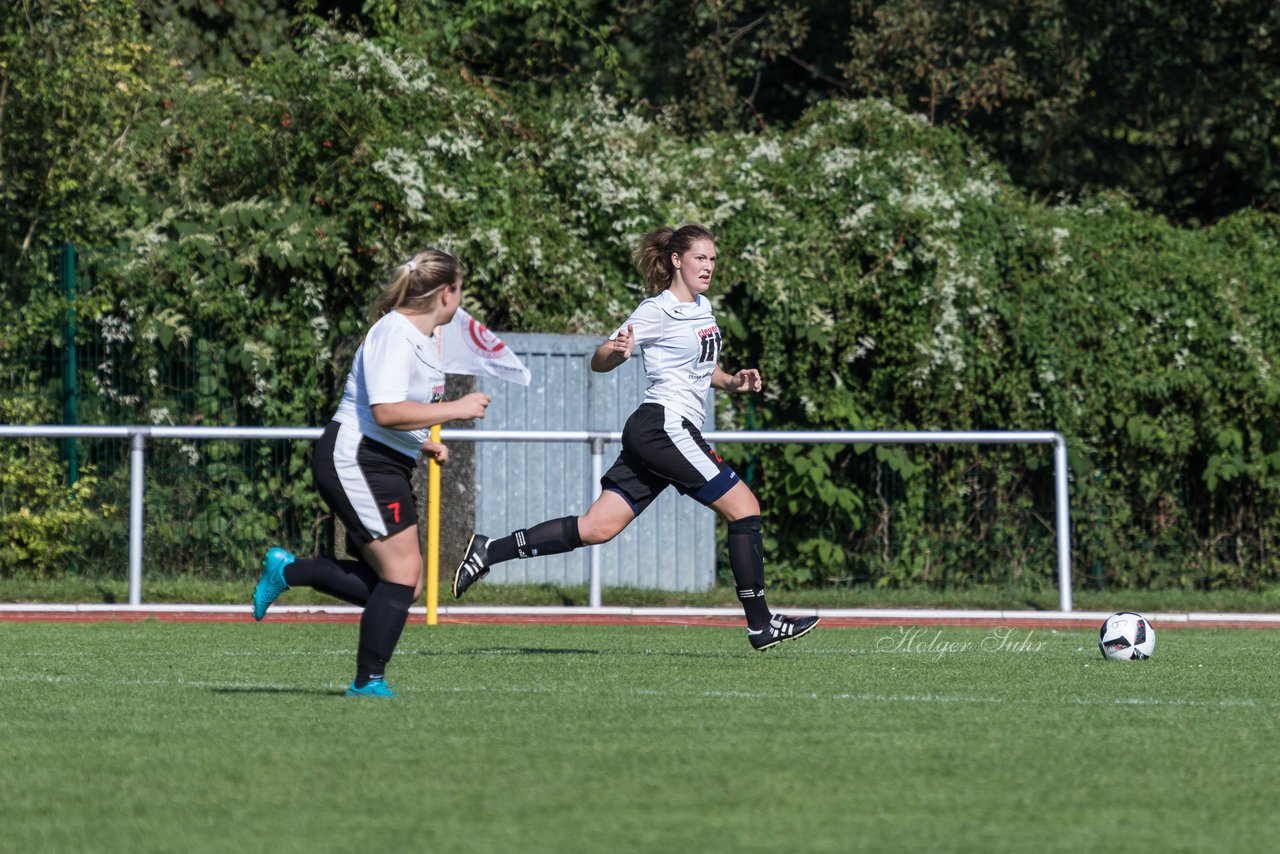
(66, 358)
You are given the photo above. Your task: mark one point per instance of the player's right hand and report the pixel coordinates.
(473, 405)
(625, 344)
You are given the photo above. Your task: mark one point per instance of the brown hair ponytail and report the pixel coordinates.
(653, 256)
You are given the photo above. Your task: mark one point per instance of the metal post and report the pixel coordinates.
(1063, 523)
(433, 536)
(70, 415)
(137, 444)
(594, 598)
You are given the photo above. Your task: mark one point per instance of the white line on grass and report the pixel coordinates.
(240, 685)
(219, 653)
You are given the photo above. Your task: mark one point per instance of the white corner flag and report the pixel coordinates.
(468, 347)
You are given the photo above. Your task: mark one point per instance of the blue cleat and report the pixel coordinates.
(272, 582)
(372, 688)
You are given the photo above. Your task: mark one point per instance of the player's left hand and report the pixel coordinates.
(436, 451)
(747, 379)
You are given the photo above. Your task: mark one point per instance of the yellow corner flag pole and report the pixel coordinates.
(433, 534)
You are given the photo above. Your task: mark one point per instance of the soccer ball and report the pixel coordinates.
(1126, 636)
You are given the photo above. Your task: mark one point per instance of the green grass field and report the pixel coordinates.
(158, 590)
(234, 737)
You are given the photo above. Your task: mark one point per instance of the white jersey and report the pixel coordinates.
(395, 362)
(680, 343)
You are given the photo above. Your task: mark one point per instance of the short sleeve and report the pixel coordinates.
(387, 358)
(646, 323)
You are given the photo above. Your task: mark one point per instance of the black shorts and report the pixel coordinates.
(661, 449)
(365, 483)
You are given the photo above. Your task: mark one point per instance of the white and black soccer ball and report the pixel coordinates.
(1127, 636)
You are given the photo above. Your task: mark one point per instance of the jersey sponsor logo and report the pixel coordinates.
(711, 340)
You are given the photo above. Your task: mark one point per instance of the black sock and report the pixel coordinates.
(746, 558)
(380, 627)
(349, 580)
(553, 537)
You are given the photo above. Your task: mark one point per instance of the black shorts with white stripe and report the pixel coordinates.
(365, 483)
(661, 449)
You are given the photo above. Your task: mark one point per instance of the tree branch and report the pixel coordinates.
(4, 98)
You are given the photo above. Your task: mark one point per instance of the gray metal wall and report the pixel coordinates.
(671, 546)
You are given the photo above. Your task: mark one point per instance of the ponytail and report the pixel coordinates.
(415, 285)
(653, 256)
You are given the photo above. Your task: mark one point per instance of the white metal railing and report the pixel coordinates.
(138, 435)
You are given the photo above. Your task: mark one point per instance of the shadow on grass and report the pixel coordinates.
(277, 689)
(549, 651)
(503, 650)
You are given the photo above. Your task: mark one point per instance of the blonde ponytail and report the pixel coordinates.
(415, 285)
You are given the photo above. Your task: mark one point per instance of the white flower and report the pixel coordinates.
(864, 346)
(407, 174)
(189, 451)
